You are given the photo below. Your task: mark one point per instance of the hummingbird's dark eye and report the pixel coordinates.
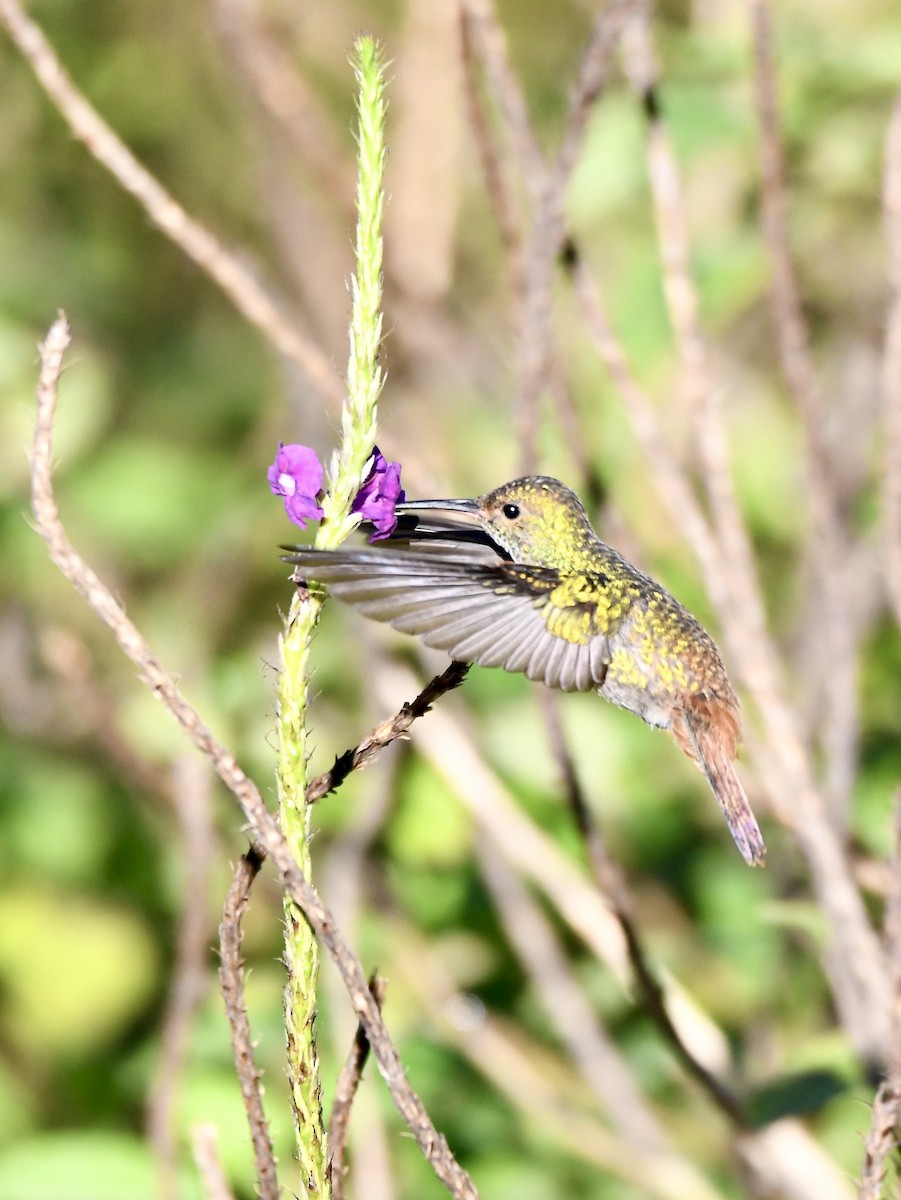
(510, 511)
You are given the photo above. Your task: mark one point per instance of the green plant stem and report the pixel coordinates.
(347, 468)
(364, 375)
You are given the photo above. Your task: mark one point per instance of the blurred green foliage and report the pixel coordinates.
(170, 411)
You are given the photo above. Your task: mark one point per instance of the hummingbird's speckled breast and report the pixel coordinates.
(659, 653)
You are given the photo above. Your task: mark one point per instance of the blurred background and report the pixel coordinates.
(454, 864)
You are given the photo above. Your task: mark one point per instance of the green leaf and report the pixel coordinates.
(794, 1095)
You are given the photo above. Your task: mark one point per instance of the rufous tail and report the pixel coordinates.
(711, 742)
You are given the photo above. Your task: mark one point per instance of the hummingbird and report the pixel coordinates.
(550, 600)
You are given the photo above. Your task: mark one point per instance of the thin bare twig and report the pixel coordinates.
(343, 869)
(836, 635)
(592, 488)
(206, 1154)
(534, 342)
(271, 75)
(231, 979)
(881, 1139)
(69, 658)
(891, 365)
(566, 1007)
(511, 150)
(789, 322)
(739, 592)
(193, 807)
(499, 172)
(385, 733)
(885, 1124)
(893, 943)
(667, 473)
(85, 581)
(346, 1090)
(485, 36)
(610, 883)
(739, 574)
(223, 266)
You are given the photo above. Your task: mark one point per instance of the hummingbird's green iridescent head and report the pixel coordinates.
(536, 520)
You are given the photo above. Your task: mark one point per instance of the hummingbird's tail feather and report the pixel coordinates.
(710, 739)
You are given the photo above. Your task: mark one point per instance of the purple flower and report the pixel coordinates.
(296, 474)
(377, 497)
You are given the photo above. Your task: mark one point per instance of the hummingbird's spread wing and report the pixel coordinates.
(495, 614)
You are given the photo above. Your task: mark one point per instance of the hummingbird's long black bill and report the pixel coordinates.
(416, 523)
(469, 508)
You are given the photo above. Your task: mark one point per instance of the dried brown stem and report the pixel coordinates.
(743, 596)
(70, 659)
(153, 675)
(893, 943)
(854, 960)
(591, 487)
(206, 1154)
(499, 173)
(231, 979)
(881, 1139)
(667, 473)
(222, 265)
(193, 807)
(566, 1007)
(484, 37)
(740, 592)
(531, 266)
(385, 733)
(612, 886)
(836, 634)
(885, 1124)
(534, 343)
(790, 324)
(282, 93)
(346, 1090)
(891, 365)
(343, 868)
